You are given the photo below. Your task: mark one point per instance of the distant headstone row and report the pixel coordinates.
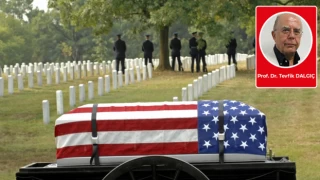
(206, 82)
(103, 86)
(64, 72)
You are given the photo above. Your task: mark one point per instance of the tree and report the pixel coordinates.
(101, 15)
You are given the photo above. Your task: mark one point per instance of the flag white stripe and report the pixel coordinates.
(141, 104)
(129, 137)
(127, 115)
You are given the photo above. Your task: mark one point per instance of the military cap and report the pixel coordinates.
(119, 35)
(147, 35)
(175, 33)
(194, 33)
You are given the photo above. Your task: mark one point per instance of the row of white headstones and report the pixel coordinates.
(73, 70)
(204, 83)
(192, 92)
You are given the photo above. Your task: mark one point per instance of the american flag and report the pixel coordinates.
(161, 128)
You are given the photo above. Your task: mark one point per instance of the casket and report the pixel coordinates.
(193, 131)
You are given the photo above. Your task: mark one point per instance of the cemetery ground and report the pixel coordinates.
(293, 116)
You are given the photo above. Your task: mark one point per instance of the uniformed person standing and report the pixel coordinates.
(175, 46)
(194, 52)
(147, 48)
(202, 46)
(231, 51)
(120, 48)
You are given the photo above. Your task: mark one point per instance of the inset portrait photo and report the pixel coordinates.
(285, 39)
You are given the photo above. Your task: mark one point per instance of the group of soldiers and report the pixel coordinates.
(197, 46)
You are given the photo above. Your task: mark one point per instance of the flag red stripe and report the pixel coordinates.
(136, 108)
(129, 149)
(127, 125)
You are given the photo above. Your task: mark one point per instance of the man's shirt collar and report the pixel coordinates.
(282, 59)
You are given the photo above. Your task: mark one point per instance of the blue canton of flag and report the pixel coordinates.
(245, 128)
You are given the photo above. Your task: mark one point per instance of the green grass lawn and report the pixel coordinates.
(293, 117)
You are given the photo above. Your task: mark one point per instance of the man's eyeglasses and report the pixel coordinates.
(287, 30)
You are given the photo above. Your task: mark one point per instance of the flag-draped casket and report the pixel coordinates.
(194, 131)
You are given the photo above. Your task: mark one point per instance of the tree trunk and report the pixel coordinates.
(164, 50)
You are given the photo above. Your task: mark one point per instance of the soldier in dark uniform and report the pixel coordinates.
(147, 48)
(175, 46)
(202, 46)
(232, 45)
(194, 52)
(120, 51)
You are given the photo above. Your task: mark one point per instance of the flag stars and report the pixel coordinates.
(233, 101)
(206, 113)
(225, 127)
(242, 104)
(244, 144)
(206, 127)
(234, 119)
(215, 102)
(215, 119)
(243, 127)
(225, 112)
(206, 105)
(226, 144)
(252, 120)
(225, 105)
(261, 129)
(243, 112)
(215, 108)
(234, 136)
(215, 135)
(251, 108)
(252, 137)
(207, 143)
(233, 108)
(261, 114)
(261, 146)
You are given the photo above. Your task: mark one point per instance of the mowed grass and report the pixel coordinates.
(293, 117)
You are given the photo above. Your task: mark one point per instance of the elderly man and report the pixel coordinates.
(287, 32)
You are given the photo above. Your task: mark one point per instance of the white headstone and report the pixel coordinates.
(190, 92)
(131, 75)
(114, 79)
(138, 73)
(195, 89)
(126, 77)
(100, 86)
(150, 70)
(10, 84)
(120, 79)
(184, 94)
(144, 72)
(39, 78)
(72, 96)
(82, 95)
(205, 83)
(20, 82)
(107, 83)
(46, 111)
(59, 98)
(65, 74)
(90, 90)
(57, 73)
(30, 79)
(200, 86)
(175, 99)
(49, 78)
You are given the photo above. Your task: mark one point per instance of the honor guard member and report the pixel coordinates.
(175, 46)
(202, 46)
(194, 52)
(120, 48)
(147, 48)
(231, 51)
